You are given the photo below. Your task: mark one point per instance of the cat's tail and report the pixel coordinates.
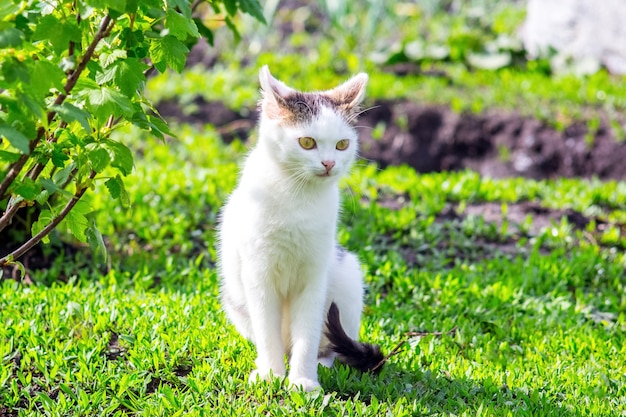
(365, 357)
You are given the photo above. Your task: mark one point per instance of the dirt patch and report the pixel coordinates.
(434, 138)
(495, 144)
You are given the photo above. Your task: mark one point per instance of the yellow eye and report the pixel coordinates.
(307, 142)
(342, 145)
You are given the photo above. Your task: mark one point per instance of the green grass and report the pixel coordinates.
(537, 332)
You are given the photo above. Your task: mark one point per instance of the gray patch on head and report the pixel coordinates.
(340, 252)
(305, 107)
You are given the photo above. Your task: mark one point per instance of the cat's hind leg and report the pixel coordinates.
(345, 289)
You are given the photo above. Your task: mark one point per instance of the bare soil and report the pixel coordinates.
(434, 138)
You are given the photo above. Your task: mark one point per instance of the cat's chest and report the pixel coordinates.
(288, 224)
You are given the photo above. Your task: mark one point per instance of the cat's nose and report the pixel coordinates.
(328, 165)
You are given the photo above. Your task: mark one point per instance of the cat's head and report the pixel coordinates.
(311, 135)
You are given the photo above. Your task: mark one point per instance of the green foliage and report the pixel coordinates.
(70, 74)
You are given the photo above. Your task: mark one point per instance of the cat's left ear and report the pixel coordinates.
(350, 94)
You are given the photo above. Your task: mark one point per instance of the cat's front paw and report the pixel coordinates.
(305, 384)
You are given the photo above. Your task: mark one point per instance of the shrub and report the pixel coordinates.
(71, 72)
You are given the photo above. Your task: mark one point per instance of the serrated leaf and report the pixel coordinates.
(28, 189)
(118, 191)
(58, 158)
(76, 221)
(44, 219)
(61, 176)
(108, 58)
(169, 50)
(15, 138)
(114, 185)
(129, 75)
(180, 26)
(106, 101)
(58, 33)
(121, 156)
(43, 77)
(95, 240)
(70, 113)
(99, 158)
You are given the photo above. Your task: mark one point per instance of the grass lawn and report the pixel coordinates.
(533, 330)
(500, 315)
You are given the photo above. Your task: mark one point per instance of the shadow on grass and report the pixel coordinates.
(428, 393)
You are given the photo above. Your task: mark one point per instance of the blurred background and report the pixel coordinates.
(505, 88)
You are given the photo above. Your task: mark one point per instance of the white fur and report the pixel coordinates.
(278, 259)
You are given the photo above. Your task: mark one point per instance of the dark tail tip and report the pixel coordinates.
(365, 357)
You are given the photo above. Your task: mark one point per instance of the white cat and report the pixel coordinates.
(280, 265)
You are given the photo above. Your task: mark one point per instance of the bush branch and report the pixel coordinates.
(6, 260)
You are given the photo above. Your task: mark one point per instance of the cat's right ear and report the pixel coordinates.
(274, 93)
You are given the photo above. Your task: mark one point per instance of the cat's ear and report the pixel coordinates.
(350, 94)
(274, 93)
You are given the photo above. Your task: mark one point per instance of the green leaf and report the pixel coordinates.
(8, 8)
(59, 33)
(253, 8)
(121, 156)
(117, 190)
(70, 113)
(44, 219)
(13, 71)
(10, 37)
(15, 138)
(61, 176)
(76, 220)
(105, 101)
(204, 31)
(180, 26)
(129, 75)
(231, 6)
(95, 240)
(28, 189)
(114, 185)
(9, 157)
(117, 5)
(183, 5)
(58, 157)
(43, 77)
(169, 50)
(108, 58)
(98, 157)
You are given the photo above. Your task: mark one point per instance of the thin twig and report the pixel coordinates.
(410, 335)
(6, 218)
(394, 352)
(450, 332)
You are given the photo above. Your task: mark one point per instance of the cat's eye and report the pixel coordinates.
(342, 145)
(307, 142)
